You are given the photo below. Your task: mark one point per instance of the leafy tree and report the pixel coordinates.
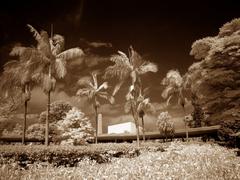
(215, 78)
(174, 86)
(130, 67)
(93, 91)
(49, 62)
(165, 125)
(75, 128)
(58, 111)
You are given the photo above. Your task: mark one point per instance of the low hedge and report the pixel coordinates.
(70, 155)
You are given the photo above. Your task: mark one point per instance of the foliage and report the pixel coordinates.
(227, 131)
(180, 160)
(16, 131)
(215, 79)
(75, 128)
(93, 91)
(125, 67)
(165, 125)
(36, 131)
(173, 83)
(58, 111)
(67, 155)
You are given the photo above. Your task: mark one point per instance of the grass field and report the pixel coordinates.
(193, 160)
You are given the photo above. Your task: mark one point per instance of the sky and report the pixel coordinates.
(161, 31)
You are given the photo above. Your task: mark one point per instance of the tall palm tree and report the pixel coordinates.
(17, 78)
(47, 61)
(130, 67)
(93, 91)
(174, 86)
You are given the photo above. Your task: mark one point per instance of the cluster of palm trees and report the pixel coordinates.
(47, 61)
(37, 65)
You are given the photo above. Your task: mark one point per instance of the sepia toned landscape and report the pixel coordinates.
(119, 90)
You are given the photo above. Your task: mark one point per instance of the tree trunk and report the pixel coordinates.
(96, 118)
(186, 126)
(135, 117)
(47, 120)
(48, 108)
(24, 122)
(143, 129)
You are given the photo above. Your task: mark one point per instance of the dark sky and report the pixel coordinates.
(164, 30)
(161, 31)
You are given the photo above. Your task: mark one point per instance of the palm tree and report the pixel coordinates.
(130, 67)
(174, 86)
(143, 107)
(46, 61)
(17, 78)
(93, 92)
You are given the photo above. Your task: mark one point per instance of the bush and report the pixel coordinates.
(17, 131)
(165, 125)
(66, 155)
(75, 128)
(227, 131)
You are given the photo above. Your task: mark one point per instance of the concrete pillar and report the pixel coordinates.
(100, 124)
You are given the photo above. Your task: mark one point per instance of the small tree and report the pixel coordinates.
(143, 107)
(165, 125)
(174, 86)
(75, 128)
(93, 92)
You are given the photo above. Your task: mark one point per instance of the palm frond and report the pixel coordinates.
(168, 100)
(117, 87)
(10, 64)
(86, 82)
(95, 82)
(57, 44)
(36, 34)
(106, 96)
(60, 67)
(167, 92)
(17, 51)
(86, 92)
(48, 84)
(135, 58)
(70, 54)
(147, 67)
(127, 107)
(102, 86)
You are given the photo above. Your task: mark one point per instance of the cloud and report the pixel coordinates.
(96, 44)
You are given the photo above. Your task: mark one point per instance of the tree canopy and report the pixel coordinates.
(215, 79)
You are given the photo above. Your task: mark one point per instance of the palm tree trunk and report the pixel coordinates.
(135, 117)
(24, 122)
(48, 110)
(143, 130)
(96, 118)
(186, 127)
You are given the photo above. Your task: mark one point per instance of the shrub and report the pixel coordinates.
(75, 128)
(227, 131)
(165, 125)
(17, 131)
